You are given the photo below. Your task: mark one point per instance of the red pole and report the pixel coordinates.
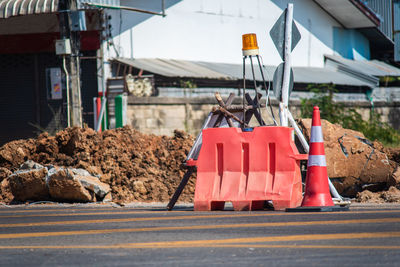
(98, 108)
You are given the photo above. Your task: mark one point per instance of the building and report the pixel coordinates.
(186, 48)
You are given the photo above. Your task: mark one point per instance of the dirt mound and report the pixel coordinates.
(137, 166)
(141, 167)
(391, 195)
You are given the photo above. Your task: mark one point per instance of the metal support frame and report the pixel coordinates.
(256, 101)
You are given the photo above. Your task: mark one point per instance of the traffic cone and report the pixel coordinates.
(317, 192)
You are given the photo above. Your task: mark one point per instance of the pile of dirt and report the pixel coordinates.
(141, 167)
(390, 195)
(137, 166)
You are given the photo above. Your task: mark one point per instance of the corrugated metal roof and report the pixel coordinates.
(10, 8)
(173, 68)
(325, 75)
(369, 67)
(212, 70)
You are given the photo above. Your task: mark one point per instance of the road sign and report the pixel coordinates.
(277, 34)
(277, 81)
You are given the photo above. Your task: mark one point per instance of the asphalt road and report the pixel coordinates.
(101, 235)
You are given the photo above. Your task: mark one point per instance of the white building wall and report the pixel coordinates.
(211, 30)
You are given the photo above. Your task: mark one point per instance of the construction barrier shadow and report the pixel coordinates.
(248, 168)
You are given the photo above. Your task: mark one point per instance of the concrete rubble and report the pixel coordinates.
(33, 181)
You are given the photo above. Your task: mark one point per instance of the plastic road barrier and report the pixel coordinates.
(248, 168)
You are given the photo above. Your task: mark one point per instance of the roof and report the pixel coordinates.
(370, 67)
(10, 8)
(173, 68)
(350, 13)
(226, 71)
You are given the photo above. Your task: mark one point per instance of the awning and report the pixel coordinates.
(223, 71)
(350, 13)
(11, 8)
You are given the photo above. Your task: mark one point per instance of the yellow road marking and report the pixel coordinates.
(11, 210)
(89, 213)
(189, 217)
(195, 227)
(224, 242)
(305, 246)
(268, 213)
(81, 211)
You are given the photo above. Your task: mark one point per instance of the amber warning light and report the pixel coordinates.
(250, 46)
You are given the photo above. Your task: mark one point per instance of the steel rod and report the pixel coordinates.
(124, 8)
(244, 88)
(180, 188)
(266, 89)
(255, 85)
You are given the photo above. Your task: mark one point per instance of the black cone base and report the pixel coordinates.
(318, 209)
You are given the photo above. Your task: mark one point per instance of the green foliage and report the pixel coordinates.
(334, 112)
(188, 87)
(187, 84)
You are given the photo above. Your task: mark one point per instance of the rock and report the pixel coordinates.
(94, 170)
(29, 184)
(4, 173)
(15, 152)
(394, 179)
(80, 172)
(353, 162)
(391, 195)
(63, 186)
(108, 197)
(368, 196)
(76, 185)
(138, 186)
(93, 184)
(30, 164)
(5, 193)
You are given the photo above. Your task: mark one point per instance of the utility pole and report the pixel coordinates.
(73, 68)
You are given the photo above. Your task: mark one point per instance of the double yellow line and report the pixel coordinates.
(134, 212)
(252, 242)
(195, 227)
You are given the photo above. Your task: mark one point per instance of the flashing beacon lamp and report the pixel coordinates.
(250, 50)
(250, 46)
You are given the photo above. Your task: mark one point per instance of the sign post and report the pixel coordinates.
(285, 36)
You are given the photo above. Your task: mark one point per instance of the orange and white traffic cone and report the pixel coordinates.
(317, 196)
(317, 192)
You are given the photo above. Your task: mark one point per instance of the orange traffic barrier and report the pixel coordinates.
(317, 192)
(248, 168)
